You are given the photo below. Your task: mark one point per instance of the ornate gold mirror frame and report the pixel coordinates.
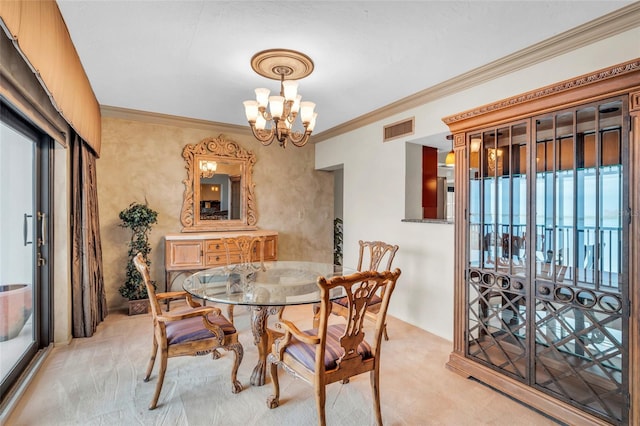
(227, 155)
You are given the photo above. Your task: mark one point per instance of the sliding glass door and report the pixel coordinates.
(25, 304)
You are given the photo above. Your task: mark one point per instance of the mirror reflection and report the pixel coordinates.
(220, 192)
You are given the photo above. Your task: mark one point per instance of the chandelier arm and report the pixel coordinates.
(265, 114)
(299, 139)
(265, 137)
(292, 118)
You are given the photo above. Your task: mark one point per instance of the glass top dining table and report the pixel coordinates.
(266, 290)
(279, 283)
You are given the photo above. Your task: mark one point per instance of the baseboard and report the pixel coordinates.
(16, 392)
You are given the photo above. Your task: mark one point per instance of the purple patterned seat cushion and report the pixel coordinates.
(343, 301)
(306, 353)
(193, 329)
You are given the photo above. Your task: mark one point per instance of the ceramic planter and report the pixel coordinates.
(137, 307)
(15, 309)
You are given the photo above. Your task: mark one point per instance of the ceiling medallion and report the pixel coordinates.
(274, 63)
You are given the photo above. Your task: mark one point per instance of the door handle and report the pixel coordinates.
(26, 229)
(43, 229)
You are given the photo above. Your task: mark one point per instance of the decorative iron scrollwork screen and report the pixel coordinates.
(547, 284)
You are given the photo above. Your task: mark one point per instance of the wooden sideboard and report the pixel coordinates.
(192, 252)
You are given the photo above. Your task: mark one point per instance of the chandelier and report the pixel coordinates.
(208, 168)
(287, 66)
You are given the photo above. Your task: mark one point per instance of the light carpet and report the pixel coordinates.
(98, 381)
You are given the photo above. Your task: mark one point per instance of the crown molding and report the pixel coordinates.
(170, 120)
(616, 71)
(601, 28)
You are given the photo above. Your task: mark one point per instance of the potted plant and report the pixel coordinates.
(138, 218)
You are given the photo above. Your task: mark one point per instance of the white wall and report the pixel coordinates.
(338, 193)
(375, 176)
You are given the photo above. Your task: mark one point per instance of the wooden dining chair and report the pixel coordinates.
(245, 254)
(194, 330)
(332, 353)
(372, 255)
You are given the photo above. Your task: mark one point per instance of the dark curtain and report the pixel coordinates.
(89, 303)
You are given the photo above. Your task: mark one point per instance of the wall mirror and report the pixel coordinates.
(219, 190)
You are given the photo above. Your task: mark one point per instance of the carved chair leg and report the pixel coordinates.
(152, 360)
(386, 336)
(163, 369)
(321, 397)
(274, 400)
(375, 393)
(238, 351)
(230, 313)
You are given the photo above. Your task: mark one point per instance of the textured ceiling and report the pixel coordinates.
(192, 58)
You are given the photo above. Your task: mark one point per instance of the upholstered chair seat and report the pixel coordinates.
(305, 353)
(190, 329)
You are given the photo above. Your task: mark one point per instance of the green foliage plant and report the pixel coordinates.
(138, 218)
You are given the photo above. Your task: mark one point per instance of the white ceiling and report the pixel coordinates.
(192, 58)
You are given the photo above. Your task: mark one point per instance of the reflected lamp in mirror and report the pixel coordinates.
(219, 189)
(208, 168)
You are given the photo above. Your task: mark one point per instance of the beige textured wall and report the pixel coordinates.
(143, 161)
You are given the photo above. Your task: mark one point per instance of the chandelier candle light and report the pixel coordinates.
(208, 168)
(287, 66)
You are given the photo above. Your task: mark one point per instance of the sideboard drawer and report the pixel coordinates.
(214, 246)
(220, 259)
(215, 259)
(216, 255)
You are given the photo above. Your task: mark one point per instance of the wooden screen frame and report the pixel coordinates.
(620, 79)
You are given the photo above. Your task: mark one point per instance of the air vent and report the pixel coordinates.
(400, 128)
